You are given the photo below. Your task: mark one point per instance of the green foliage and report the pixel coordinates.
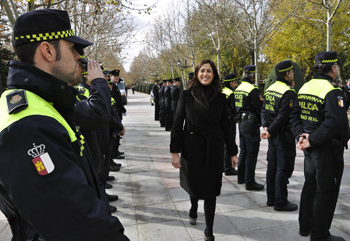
(298, 77)
(149, 88)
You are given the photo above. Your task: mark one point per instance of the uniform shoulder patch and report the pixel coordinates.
(41, 160)
(16, 101)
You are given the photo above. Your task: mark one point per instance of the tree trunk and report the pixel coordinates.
(256, 52)
(218, 63)
(329, 32)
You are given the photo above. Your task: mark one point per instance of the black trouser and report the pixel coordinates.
(249, 141)
(280, 166)
(156, 110)
(227, 157)
(323, 170)
(107, 160)
(162, 116)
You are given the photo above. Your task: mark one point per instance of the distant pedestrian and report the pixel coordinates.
(202, 107)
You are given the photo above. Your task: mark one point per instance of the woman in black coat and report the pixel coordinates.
(201, 141)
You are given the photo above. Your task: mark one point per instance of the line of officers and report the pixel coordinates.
(103, 140)
(313, 120)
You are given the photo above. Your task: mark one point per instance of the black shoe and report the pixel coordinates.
(119, 157)
(208, 238)
(330, 238)
(120, 153)
(241, 181)
(288, 206)
(304, 234)
(254, 187)
(270, 203)
(110, 178)
(112, 198)
(231, 172)
(116, 164)
(114, 169)
(167, 129)
(108, 186)
(112, 209)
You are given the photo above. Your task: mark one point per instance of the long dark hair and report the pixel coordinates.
(196, 88)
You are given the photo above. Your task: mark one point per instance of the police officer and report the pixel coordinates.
(320, 124)
(50, 166)
(169, 119)
(155, 90)
(162, 104)
(231, 109)
(248, 107)
(275, 116)
(175, 94)
(115, 93)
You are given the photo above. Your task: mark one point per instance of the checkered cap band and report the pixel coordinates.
(284, 70)
(329, 61)
(29, 38)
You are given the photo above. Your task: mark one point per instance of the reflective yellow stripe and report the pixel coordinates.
(36, 106)
(279, 87)
(227, 92)
(317, 87)
(246, 87)
(82, 90)
(112, 101)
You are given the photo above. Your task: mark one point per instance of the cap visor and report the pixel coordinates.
(83, 61)
(78, 42)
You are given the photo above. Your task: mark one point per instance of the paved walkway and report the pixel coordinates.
(154, 207)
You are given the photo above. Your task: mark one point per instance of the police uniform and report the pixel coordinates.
(275, 116)
(155, 90)
(49, 189)
(248, 107)
(175, 95)
(115, 93)
(162, 105)
(231, 109)
(169, 119)
(320, 112)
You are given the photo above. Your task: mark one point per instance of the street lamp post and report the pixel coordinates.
(182, 68)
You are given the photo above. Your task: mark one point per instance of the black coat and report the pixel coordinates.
(175, 95)
(155, 89)
(201, 144)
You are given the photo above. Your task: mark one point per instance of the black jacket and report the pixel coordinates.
(279, 99)
(323, 117)
(199, 135)
(175, 95)
(66, 204)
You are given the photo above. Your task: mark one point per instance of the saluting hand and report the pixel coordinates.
(175, 160)
(94, 71)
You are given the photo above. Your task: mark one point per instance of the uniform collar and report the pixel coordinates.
(322, 76)
(283, 81)
(248, 80)
(26, 76)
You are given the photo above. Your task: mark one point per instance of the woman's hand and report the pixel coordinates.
(175, 160)
(234, 160)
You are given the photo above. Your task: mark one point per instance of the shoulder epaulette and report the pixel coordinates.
(16, 101)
